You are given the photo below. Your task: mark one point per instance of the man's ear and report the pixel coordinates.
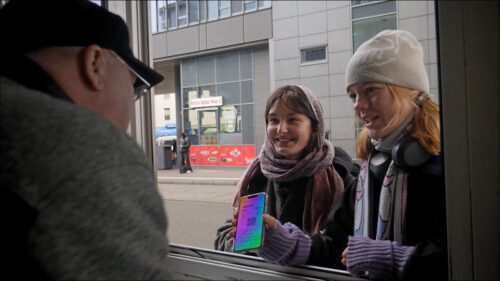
(93, 66)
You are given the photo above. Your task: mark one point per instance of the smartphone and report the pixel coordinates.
(250, 227)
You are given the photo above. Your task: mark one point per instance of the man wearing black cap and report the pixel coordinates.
(78, 194)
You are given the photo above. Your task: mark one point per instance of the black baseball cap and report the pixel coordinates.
(28, 25)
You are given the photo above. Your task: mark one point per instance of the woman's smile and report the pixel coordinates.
(289, 131)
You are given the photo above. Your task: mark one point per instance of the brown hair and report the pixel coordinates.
(426, 126)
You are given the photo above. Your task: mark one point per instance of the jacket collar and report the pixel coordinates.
(28, 73)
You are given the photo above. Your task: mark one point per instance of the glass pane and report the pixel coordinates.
(183, 21)
(236, 6)
(224, 12)
(230, 125)
(191, 125)
(228, 120)
(246, 91)
(208, 123)
(193, 11)
(248, 129)
(230, 92)
(363, 30)
(154, 16)
(374, 9)
(227, 67)
(246, 64)
(361, 2)
(206, 70)
(264, 3)
(203, 10)
(172, 14)
(182, 12)
(224, 8)
(315, 54)
(250, 5)
(162, 23)
(207, 91)
(188, 72)
(213, 9)
(188, 94)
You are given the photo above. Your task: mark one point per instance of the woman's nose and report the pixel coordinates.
(282, 128)
(360, 103)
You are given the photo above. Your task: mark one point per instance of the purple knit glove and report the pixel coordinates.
(377, 259)
(287, 245)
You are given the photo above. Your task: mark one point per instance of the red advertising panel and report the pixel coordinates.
(222, 155)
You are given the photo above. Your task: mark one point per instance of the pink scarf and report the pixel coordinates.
(327, 185)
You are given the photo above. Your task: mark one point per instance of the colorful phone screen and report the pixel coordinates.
(250, 222)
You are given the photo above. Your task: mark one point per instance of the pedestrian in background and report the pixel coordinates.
(174, 153)
(185, 161)
(78, 192)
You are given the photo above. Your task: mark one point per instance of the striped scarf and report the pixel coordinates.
(393, 195)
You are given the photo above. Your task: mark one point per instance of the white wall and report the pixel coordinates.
(163, 101)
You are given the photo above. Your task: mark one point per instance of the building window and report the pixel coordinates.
(227, 76)
(203, 10)
(363, 30)
(154, 16)
(193, 13)
(162, 16)
(328, 134)
(264, 4)
(317, 54)
(166, 114)
(213, 10)
(250, 5)
(171, 14)
(236, 7)
(224, 7)
(363, 2)
(182, 18)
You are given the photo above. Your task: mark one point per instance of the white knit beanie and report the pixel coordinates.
(392, 56)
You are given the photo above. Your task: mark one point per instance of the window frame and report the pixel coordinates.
(313, 48)
(183, 17)
(466, 250)
(368, 3)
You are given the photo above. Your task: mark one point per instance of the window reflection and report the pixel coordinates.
(217, 98)
(238, 76)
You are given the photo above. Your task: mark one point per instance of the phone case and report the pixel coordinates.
(252, 218)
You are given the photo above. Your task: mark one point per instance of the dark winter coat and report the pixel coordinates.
(425, 222)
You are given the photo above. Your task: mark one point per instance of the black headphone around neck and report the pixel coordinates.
(409, 153)
(406, 153)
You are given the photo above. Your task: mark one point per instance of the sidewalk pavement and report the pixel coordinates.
(200, 175)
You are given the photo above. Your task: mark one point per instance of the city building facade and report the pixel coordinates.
(222, 60)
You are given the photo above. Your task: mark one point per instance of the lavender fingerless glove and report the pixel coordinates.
(287, 245)
(377, 259)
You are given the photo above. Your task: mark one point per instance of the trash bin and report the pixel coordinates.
(164, 157)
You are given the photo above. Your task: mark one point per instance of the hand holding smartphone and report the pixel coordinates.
(250, 226)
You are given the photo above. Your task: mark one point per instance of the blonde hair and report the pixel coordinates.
(426, 125)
